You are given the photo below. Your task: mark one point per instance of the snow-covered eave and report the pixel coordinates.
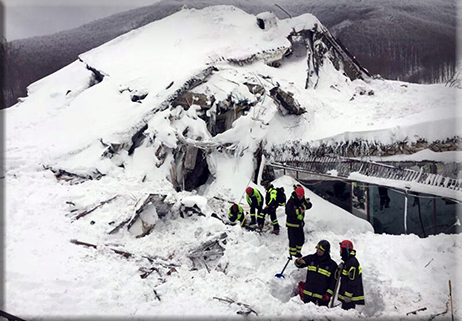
(410, 187)
(423, 156)
(438, 130)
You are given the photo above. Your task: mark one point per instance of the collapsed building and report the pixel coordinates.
(186, 152)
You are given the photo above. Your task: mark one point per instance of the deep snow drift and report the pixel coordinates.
(64, 122)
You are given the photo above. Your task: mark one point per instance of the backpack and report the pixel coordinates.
(280, 196)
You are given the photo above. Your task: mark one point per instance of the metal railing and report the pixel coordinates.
(345, 166)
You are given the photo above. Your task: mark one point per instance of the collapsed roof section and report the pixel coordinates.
(317, 44)
(193, 98)
(208, 88)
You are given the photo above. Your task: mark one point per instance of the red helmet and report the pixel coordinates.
(234, 208)
(346, 245)
(300, 191)
(249, 190)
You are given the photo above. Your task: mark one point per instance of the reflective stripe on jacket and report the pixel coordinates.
(320, 275)
(271, 197)
(294, 207)
(256, 199)
(239, 215)
(351, 282)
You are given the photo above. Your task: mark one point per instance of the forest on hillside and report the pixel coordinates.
(412, 42)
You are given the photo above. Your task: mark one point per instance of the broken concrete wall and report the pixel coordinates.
(189, 98)
(285, 102)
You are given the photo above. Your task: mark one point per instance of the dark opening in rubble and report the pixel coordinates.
(138, 98)
(137, 139)
(261, 23)
(220, 125)
(199, 174)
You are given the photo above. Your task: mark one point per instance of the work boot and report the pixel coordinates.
(276, 232)
(259, 228)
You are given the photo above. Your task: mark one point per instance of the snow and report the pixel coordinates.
(444, 157)
(188, 44)
(64, 122)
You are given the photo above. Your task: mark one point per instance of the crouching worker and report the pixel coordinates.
(320, 275)
(351, 282)
(236, 214)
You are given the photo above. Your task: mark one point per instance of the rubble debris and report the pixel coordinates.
(209, 252)
(285, 102)
(90, 209)
(72, 178)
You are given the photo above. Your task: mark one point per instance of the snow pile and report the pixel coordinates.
(70, 121)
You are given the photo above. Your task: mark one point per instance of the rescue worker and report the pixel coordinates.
(351, 290)
(384, 198)
(255, 200)
(320, 275)
(270, 208)
(359, 192)
(295, 211)
(236, 213)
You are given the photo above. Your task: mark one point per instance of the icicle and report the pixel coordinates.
(405, 211)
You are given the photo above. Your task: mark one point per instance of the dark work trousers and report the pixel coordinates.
(307, 298)
(272, 213)
(348, 306)
(384, 201)
(316, 301)
(253, 215)
(296, 240)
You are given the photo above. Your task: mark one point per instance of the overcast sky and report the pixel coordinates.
(28, 18)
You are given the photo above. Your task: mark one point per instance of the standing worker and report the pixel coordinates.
(295, 211)
(351, 290)
(255, 200)
(270, 208)
(384, 198)
(320, 275)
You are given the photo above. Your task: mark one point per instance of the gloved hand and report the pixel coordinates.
(347, 299)
(326, 297)
(299, 261)
(300, 217)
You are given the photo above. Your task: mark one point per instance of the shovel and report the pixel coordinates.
(280, 275)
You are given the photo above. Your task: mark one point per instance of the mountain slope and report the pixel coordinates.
(390, 38)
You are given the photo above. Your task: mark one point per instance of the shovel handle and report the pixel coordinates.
(450, 297)
(279, 275)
